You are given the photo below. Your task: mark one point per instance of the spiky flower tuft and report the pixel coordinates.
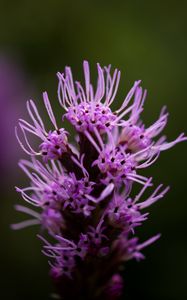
(82, 190)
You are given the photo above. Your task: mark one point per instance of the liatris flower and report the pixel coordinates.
(83, 189)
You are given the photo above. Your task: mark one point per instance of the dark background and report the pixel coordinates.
(145, 39)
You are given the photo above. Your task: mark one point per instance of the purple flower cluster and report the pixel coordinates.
(82, 186)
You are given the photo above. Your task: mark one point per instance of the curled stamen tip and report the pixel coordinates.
(137, 82)
(85, 63)
(59, 75)
(18, 189)
(14, 226)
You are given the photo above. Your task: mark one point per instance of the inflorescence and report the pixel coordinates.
(82, 190)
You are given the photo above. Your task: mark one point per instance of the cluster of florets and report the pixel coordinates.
(87, 116)
(82, 189)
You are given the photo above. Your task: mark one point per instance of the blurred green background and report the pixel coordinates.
(145, 39)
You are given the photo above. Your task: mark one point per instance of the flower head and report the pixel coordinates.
(84, 191)
(54, 143)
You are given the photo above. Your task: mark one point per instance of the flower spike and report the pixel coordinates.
(83, 193)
